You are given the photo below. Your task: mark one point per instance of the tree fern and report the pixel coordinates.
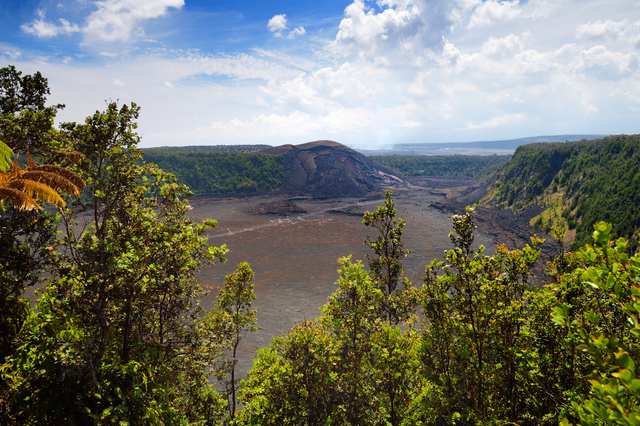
(22, 188)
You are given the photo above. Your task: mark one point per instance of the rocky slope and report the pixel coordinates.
(330, 169)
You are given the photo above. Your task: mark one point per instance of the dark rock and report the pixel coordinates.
(330, 169)
(280, 208)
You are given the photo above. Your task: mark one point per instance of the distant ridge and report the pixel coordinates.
(209, 148)
(507, 146)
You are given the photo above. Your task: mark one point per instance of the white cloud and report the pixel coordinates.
(43, 29)
(497, 121)
(13, 55)
(604, 64)
(500, 48)
(601, 30)
(296, 32)
(493, 11)
(401, 70)
(401, 27)
(277, 24)
(114, 20)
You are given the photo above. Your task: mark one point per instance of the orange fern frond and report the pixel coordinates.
(19, 199)
(72, 177)
(30, 163)
(52, 180)
(15, 169)
(37, 190)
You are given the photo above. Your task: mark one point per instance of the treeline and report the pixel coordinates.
(216, 171)
(579, 183)
(208, 148)
(443, 165)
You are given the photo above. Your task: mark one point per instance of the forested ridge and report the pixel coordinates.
(117, 335)
(577, 184)
(227, 170)
(442, 165)
(208, 148)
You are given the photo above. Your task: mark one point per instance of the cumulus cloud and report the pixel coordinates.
(492, 12)
(114, 20)
(277, 24)
(43, 29)
(606, 65)
(393, 71)
(400, 27)
(500, 48)
(601, 30)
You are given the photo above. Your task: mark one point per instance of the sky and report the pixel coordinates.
(368, 74)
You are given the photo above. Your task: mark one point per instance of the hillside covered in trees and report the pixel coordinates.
(246, 168)
(442, 165)
(208, 148)
(118, 336)
(226, 170)
(576, 184)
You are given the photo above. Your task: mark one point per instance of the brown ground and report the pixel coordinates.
(295, 257)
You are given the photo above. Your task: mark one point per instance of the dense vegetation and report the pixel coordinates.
(209, 148)
(219, 171)
(578, 183)
(443, 165)
(117, 335)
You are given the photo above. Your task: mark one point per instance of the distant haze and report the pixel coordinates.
(472, 148)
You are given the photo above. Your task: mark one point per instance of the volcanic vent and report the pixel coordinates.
(330, 169)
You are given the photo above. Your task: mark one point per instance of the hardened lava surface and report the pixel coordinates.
(295, 257)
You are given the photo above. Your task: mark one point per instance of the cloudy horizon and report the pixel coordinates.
(366, 74)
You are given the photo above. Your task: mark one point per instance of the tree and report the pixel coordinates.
(116, 334)
(293, 380)
(352, 317)
(475, 315)
(610, 338)
(26, 123)
(26, 237)
(351, 366)
(385, 268)
(232, 319)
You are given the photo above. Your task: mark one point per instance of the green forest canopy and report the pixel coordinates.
(442, 165)
(579, 183)
(220, 170)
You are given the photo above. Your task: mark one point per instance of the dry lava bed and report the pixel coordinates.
(294, 255)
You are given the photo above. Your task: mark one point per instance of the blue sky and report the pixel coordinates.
(364, 73)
